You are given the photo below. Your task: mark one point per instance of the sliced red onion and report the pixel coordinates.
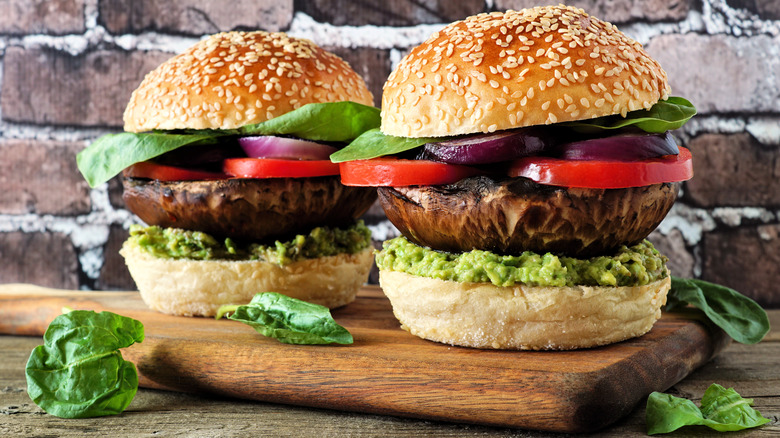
(488, 148)
(620, 148)
(268, 146)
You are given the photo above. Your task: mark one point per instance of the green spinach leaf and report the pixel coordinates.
(79, 372)
(289, 320)
(332, 122)
(111, 153)
(739, 316)
(373, 143)
(721, 409)
(665, 115)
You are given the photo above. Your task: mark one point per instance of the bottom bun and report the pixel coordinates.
(199, 288)
(522, 317)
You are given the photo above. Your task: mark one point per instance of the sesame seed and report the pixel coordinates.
(572, 37)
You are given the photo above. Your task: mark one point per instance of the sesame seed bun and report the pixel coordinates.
(199, 287)
(482, 315)
(512, 69)
(226, 81)
(233, 79)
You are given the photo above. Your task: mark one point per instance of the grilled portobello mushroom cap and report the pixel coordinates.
(250, 209)
(512, 215)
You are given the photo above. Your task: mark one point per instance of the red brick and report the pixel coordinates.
(114, 274)
(39, 176)
(615, 11)
(115, 192)
(765, 9)
(194, 17)
(721, 73)
(44, 259)
(672, 245)
(50, 87)
(389, 13)
(733, 170)
(745, 259)
(371, 64)
(42, 16)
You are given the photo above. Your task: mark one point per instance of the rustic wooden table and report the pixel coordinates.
(753, 370)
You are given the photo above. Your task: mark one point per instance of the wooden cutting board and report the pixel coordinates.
(387, 370)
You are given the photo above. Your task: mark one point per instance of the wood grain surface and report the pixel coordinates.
(386, 370)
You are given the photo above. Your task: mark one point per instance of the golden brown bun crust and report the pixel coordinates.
(233, 79)
(199, 288)
(482, 315)
(512, 69)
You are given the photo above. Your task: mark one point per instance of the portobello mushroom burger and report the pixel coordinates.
(225, 157)
(524, 156)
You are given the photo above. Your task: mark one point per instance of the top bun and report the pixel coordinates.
(511, 69)
(233, 79)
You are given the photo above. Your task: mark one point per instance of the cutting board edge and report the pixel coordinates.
(714, 349)
(611, 399)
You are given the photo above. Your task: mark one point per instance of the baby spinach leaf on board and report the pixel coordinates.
(722, 409)
(289, 320)
(729, 409)
(79, 372)
(665, 115)
(331, 122)
(739, 316)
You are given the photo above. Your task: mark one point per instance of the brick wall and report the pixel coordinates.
(68, 67)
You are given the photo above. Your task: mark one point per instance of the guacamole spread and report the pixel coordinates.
(629, 266)
(175, 243)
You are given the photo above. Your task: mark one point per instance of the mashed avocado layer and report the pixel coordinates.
(629, 266)
(175, 243)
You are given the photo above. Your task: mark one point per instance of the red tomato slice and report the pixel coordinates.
(396, 172)
(148, 169)
(278, 168)
(605, 174)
